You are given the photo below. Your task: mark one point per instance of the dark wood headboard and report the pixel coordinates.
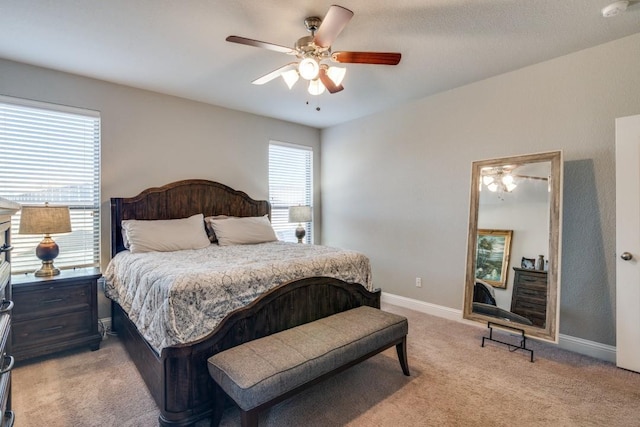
(182, 199)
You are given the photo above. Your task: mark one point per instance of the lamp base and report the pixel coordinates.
(300, 233)
(47, 270)
(47, 251)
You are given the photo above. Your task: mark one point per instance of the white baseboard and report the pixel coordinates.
(589, 348)
(566, 342)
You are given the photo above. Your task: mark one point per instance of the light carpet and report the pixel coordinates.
(453, 382)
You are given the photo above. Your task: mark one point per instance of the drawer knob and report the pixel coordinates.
(626, 256)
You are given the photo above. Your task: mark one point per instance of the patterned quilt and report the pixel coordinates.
(179, 297)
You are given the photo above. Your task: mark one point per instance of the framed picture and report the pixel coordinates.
(528, 263)
(492, 256)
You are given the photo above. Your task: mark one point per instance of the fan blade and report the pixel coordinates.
(258, 43)
(275, 74)
(328, 83)
(334, 22)
(382, 58)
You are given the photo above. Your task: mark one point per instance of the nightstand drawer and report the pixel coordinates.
(51, 328)
(37, 303)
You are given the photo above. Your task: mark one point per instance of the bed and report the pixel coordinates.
(175, 370)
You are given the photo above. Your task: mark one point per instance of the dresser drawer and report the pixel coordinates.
(5, 329)
(530, 308)
(531, 294)
(533, 281)
(5, 275)
(40, 302)
(5, 387)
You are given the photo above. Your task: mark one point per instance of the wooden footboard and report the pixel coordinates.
(178, 378)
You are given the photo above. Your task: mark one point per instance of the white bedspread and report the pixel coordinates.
(179, 297)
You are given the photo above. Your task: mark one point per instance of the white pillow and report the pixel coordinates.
(242, 230)
(210, 232)
(166, 235)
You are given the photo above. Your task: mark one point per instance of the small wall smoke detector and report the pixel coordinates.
(615, 8)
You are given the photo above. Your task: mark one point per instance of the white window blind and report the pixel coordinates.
(51, 153)
(290, 184)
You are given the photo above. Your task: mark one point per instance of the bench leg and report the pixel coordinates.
(401, 349)
(218, 409)
(249, 418)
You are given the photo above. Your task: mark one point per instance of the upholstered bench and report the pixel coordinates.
(263, 372)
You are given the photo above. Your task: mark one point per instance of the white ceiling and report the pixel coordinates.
(179, 48)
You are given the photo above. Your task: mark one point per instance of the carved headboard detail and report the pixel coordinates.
(182, 199)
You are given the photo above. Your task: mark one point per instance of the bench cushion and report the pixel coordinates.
(260, 370)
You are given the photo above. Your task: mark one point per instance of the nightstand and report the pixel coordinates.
(55, 313)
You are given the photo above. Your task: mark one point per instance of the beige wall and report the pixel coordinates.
(396, 185)
(149, 139)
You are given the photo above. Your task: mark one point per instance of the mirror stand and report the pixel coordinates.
(512, 347)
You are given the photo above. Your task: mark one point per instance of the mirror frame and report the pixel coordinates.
(551, 329)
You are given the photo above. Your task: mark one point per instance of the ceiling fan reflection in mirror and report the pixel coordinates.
(315, 56)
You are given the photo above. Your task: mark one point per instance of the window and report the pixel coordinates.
(51, 153)
(290, 184)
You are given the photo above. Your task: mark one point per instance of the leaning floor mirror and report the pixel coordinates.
(513, 250)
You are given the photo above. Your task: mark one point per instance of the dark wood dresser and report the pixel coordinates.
(6, 305)
(56, 313)
(529, 297)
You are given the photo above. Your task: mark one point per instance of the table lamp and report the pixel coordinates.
(45, 220)
(300, 214)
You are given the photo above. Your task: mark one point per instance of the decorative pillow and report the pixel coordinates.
(166, 235)
(243, 230)
(210, 232)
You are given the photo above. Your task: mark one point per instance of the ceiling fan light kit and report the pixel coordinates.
(498, 180)
(308, 68)
(337, 74)
(290, 77)
(314, 53)
(316, 87)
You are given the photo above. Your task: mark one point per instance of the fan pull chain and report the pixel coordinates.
(317, 105)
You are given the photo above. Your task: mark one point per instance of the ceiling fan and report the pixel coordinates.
(504, 178)
(315, 55)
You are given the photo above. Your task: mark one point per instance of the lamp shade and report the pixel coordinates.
(45, 219)
(299, 213)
